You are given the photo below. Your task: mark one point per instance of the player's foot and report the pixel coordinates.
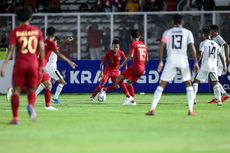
(150, 113)
(32, 113)
(213, 101)
(129, 101)
(224, 98)
(192, 113)
(132, 103)
(57, 101)
(219, 103)
(51, 108)
(91, 99)
(9, 94)
(194, 102)
(14, 121)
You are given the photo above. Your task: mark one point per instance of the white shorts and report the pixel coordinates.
(56, 75)
(203, 75)
(220, 71)
(170, 72)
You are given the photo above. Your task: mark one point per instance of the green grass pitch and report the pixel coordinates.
(83, 127)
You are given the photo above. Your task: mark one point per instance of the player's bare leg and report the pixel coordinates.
(190, 97)
(156, 98)
(58, 91)
(15, 105)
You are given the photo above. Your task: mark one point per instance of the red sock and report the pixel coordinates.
(111, 88)
(124, 89)
(31, 98)
(97, 89)
(15, 105)
(131, 90)
(47, 94)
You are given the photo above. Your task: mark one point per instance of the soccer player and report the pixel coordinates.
(225, 53)
(209, 50)
(139, 54)
(176, 39)
(52, 52)
(113, 58)
(29, 41)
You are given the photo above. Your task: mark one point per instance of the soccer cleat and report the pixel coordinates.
(9, 94)
(150, 113)
(91, 99)
(219, 103)
(213, 101)
(224, 98)
(57, 101)
(31, 113)
(14, 121)
(131, 103)
(192, 113)
(128, 100)
(51, 108)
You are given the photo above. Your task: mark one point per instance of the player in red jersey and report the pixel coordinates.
(139, 54)
(51, 53)
(113, 57)
(29, 42)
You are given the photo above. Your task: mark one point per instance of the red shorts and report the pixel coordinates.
(132, 74)
(45, 77)
(108, 75)
(25, 74)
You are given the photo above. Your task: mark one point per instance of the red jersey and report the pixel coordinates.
(140, 54)
(26, 37)
(49, 47)
(113, 61)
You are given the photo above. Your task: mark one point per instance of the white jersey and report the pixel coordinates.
(177, 40)
(210, 51)
(220, 41)
(52, 62)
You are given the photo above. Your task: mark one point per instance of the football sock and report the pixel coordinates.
(15, 105)
(40, 88)
(217, 94)
(156, 97)
(131, 90)
(111, 88)
(195, 88)
(124, 89)
(58, 91)
(190, 97)
(47, 95)
(31, 98)
(97, 89)
(222, 91)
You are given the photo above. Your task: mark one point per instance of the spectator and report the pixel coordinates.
(106, 39)
(84, 7)
(132, 6)
(54, 6)
(209, 5)
(31, 4)
(94, 42)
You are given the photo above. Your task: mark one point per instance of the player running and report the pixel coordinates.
(29, 41)
(225, 53)
(113, 58)
(176, 40)
(209, 50)
(139, 54)
(52, 52)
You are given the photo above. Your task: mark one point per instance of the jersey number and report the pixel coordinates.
(142, 52)
(29, 44)
(177, 41)
(212, 51)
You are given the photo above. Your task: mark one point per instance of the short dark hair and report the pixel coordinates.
(116, 41)
(206, 31)
(23, 14)
(135, 33)
(50, 31)
(214, 28)
(177, 19)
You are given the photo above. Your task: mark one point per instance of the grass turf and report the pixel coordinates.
(83, 127)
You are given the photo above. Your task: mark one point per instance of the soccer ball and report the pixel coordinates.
(101, 96)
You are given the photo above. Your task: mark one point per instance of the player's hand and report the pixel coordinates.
(70, 38)
(3, 70)
(160, 66)
(101, 75)
(41, 70)
(73, 65)
(196, 67)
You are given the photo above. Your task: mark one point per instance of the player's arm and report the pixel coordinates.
(130, 57)
(65, 40)
(72, 64)
(226, 49)
(42, 62)
(161, 64)
(123, 58)
(6, 60)
(223, 63)
(199, 56)
(194, 56)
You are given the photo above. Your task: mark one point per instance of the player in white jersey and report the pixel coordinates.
(176, 40)
(209, 50)
(225, 53)
(52, 52)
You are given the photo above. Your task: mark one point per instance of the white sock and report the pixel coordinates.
(40, 88)
(217, 93)
(222, 91)
(58, 91)
(156, 97)
(195, 88)
(190, 98)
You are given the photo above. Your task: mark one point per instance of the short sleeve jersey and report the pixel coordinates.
(210, 51)
(177, 40)
(51, 48)
(26, 39)
(139, 51)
